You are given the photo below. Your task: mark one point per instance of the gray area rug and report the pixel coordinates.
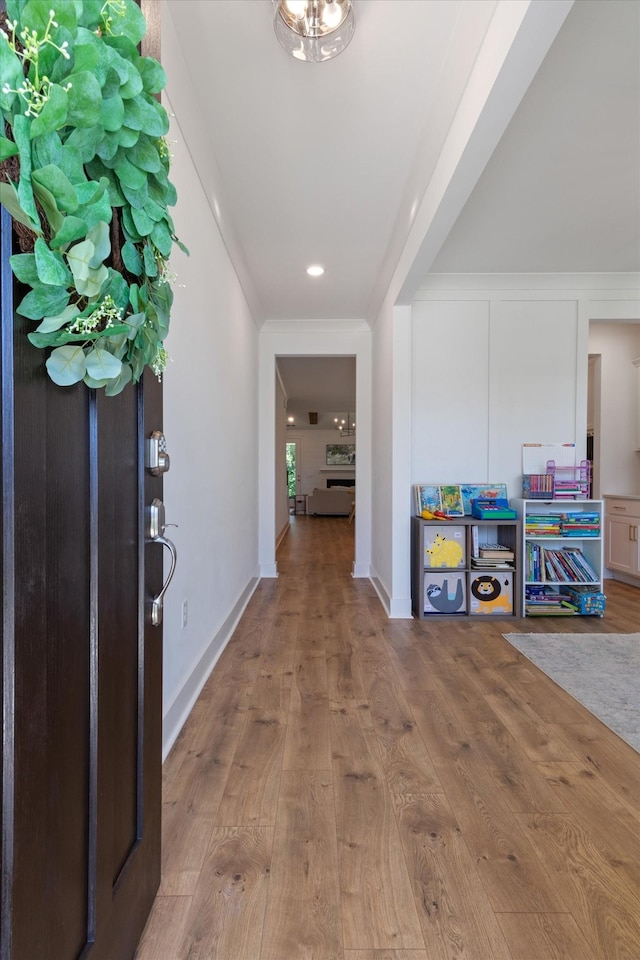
(601, 670)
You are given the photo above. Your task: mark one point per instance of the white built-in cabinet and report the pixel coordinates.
(622, 535)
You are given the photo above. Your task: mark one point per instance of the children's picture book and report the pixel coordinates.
(427, 497)
(451, 500)
(481, 491)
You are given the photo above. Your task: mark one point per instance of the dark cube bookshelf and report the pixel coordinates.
(444, 581)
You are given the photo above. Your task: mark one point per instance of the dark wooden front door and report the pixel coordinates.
(81, 665)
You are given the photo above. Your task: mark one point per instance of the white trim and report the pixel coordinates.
(176, 715)
(360, 571)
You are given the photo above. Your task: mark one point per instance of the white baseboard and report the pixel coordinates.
(174, 719)
(360, 570)
(397, 608)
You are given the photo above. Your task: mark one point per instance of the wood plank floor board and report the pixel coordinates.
(251, 791)
(164, 933)
(585, 794)
(544, 936)
(395, 740)
(385, 955)
(307, 745)
(603, 905)
(514, 878)
(199, 783)
(377, 905)
(226, 916)
(303, 914)
(350, 787)
(603, 751)
(454, 910)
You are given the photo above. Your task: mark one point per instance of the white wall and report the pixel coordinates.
(617, 344)
(210, 421)
(312, 458)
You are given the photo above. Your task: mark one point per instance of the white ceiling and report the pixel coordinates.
(336, 162)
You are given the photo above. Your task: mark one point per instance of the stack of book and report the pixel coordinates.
(580, 524)
(546, 602)
(493, 556)
(543, 525)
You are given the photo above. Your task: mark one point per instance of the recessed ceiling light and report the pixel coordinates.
(315, 270)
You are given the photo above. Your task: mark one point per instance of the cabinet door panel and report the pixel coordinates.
(620, 546)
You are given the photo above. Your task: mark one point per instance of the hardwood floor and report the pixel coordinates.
(350, 787)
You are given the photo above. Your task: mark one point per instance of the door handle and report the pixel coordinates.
(157, 527)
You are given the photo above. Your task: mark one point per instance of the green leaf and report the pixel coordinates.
(132, 86)
(66, 365)
(118, 289)
(58, 338)
(59, 186)
(11, 74)
(9, 199)
(145, 155)
(51, 324)
(131, 258)
(24, 267)
(25, 189)
(54, 113)
(146, 114)
(92, 284)
(144, 223)
(117, 386)
(46, 150)
(102, 365)
(153, 76)
(133, 26)
(73, 228)
(136, 198)
(150, 264)
(7, 149)
(134, 321)
(113, 113)
(85, 100)
(99, 236)
(161, 238)
(128, 174)
(51, 267)
(86, 141)
(48, 204)
(43, 301)
(108, 148)
(78, 258)
(127, 137)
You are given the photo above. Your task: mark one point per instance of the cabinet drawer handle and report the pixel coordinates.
(624, 509)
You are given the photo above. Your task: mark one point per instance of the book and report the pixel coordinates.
(495, 550)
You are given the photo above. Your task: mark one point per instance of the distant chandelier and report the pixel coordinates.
(345, 426)
(313, 30)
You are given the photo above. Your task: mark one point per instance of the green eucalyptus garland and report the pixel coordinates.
(84, 173)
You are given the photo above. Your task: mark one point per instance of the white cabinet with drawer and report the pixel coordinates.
(622, 535)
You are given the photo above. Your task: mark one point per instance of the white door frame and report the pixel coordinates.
(313, 339)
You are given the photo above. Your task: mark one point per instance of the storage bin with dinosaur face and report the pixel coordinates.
(444, 546)
(445, 592)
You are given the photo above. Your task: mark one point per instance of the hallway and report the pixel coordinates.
(350, 787)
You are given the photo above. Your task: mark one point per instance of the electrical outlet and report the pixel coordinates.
(184, 613)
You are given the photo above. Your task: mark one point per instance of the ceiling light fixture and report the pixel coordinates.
(315, 270)
(345, 426)
(313, 30)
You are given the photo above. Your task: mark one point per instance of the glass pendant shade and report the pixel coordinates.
(313, 30)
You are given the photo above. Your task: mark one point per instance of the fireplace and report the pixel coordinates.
(341, 482)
